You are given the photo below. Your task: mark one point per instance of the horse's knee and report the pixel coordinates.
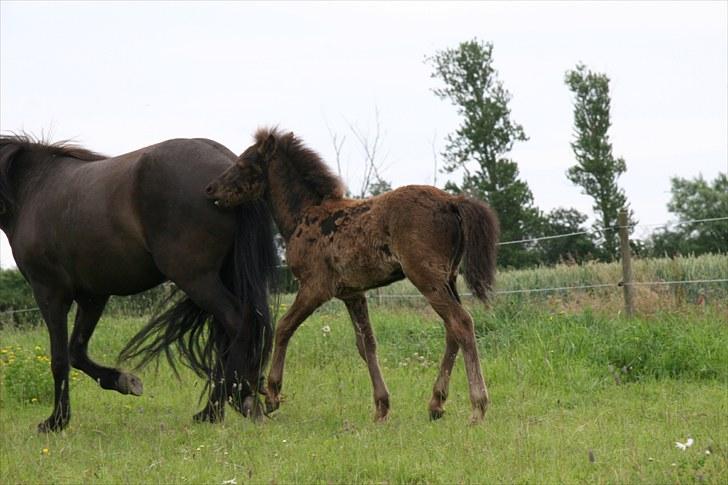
(59, 366)
(77, 355)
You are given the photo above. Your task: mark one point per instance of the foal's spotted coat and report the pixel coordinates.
(339, 248)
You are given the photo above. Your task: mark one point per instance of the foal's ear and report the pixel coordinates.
(268, 148)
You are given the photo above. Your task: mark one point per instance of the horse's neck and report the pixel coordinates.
(288, 202)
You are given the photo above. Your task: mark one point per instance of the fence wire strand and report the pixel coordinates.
(542, 290)
(610, 228)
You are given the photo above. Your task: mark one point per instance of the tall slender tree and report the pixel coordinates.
(480, 145)
(596, 169)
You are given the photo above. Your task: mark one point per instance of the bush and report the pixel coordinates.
(15, 294)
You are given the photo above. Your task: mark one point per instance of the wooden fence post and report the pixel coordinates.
(626, 264)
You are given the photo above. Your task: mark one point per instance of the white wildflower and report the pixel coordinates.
(684, 446)
(326, 330)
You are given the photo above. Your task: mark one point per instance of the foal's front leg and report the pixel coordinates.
(366, 343)
(306, 302)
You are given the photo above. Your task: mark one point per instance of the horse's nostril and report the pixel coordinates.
(209, 190)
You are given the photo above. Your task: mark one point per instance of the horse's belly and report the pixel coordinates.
(115, 273)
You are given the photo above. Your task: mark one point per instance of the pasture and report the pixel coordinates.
(576, 396)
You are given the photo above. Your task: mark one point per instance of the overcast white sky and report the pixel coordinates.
(118, 76)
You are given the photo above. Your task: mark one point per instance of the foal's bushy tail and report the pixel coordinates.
(200, 340)
(481, 230)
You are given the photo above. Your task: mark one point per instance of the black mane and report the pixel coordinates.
(63, 148)
(12, 146)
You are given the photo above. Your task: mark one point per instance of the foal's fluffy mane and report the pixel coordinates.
(307, 165)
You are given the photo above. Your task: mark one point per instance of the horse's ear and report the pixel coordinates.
(268, 148)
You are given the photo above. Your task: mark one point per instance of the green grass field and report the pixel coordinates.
(575, 397)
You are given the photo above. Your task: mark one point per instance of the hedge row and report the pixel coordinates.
(18, 307)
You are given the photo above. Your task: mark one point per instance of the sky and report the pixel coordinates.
(119, 76)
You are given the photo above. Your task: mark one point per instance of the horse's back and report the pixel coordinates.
(104, 226)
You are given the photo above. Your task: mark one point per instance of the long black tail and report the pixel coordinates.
(200, 340)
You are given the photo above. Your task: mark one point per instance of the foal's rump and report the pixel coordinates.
(426, 222)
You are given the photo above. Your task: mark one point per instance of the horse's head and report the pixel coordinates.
(246, 180)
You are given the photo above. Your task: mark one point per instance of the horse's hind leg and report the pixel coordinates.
(54, 306)
(366, 343)
(89, 311)
(214, 410)
(230, 372)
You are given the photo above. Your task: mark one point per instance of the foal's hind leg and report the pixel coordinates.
(366, 343)
(460, 329)
(54, 306)
(440, 389)
(442, 384)
(87, 316)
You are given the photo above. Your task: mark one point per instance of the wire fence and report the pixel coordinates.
(612, 228)
(616, 284)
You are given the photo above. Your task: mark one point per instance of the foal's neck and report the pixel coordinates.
(288, 199)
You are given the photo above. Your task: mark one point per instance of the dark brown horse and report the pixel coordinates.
(339, 248)
(83, 227)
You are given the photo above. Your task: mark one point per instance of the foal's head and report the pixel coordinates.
(245, 181)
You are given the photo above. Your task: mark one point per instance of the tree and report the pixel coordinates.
(572, 249)
(693, 200)
(596, 170)
(480, 145)
(372, 182)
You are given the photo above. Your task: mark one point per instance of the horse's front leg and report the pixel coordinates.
(54, 306)
(88, 313)
(306, 302)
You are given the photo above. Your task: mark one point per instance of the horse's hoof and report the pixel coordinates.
(209, 415)
(129, 384)
(436, 414)
(52, 425)
(252, 409)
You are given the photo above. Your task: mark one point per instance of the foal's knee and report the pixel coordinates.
(360, 347)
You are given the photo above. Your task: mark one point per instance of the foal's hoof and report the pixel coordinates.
(436, 414)
(381, 418)
(129, 384)
(271, 405)
(476, 417)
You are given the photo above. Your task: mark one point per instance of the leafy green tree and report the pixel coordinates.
(596, 170)
(480, 145)
(691, 200)
(379, 186)
(572, 249)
